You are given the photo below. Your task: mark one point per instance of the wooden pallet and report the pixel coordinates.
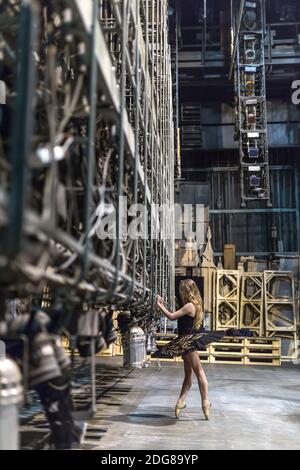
(247, 351)
(228, 351)
(262, 360)
(262, 351)
(242, 351)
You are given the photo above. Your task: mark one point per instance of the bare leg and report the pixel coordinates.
(195, 363)
(188, 380)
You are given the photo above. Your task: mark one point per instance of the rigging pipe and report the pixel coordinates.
(204, 40)
(236, 37)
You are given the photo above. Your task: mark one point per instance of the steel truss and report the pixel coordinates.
(280, 310)
(252, 302)
(227, 300)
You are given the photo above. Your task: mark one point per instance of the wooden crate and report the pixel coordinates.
(229, 257)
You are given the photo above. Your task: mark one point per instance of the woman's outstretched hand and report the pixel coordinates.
(159, 302)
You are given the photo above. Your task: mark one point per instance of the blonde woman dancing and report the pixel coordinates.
(191, 338)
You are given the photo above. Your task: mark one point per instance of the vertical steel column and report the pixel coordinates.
(91, 137)
(237, 32)
(297, 201)
(23, 125)
(93, 408)
(204, 32)
(146, 145)
(131, 288)
(177, 136)
(120, 192)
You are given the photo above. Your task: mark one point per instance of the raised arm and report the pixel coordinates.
(186, 310)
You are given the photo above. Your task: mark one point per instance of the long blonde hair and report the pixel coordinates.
(189, 292)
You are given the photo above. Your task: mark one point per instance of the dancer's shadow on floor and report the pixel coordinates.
(145, 419)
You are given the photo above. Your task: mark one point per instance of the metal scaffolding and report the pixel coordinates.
(99, 128)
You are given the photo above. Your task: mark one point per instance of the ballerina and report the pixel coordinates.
(191, 338)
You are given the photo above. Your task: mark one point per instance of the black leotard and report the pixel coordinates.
(185, 325)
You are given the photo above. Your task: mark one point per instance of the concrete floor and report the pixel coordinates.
(253, 408)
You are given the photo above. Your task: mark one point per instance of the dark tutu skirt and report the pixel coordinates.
(198, 340)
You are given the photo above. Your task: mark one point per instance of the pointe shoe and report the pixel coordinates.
(206, 406)
(178, 409)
